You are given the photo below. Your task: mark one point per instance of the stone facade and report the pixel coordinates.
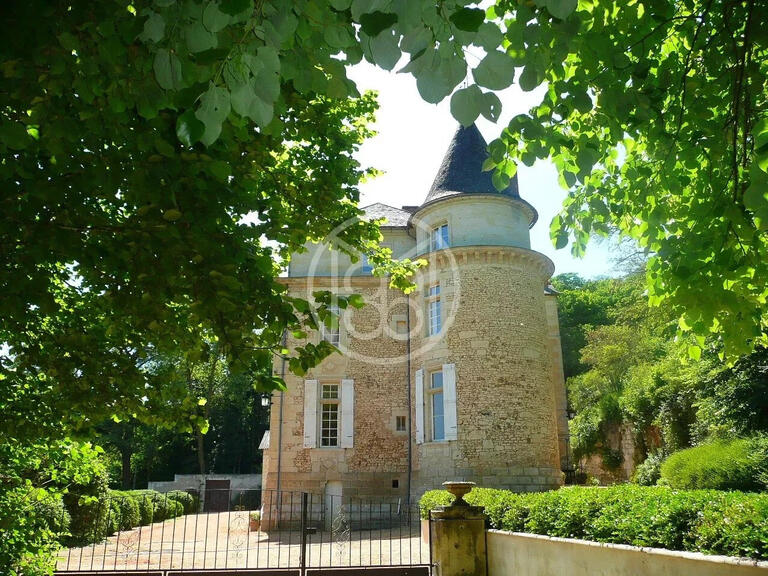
(481, 397)
(498, 341)
(379, 453)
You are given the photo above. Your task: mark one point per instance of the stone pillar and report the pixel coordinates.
(457, 538)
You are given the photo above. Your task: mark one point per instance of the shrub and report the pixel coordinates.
(187, 501)
(145, 507)
(128, 514)
(86, 498)
(50, 510)
(156, 507)
(649, 471)
(710, 521)
(719, 465)
(146, 500)
(31, 520)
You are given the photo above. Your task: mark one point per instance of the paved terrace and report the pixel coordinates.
(222, 540)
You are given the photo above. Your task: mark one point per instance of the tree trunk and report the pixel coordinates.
(125, 458)
(200, 450)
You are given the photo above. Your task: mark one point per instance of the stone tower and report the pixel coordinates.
(460, 380)
(491, 364)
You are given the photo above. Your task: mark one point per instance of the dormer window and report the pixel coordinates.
(440, 237)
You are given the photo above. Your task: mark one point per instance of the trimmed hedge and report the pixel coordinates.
(709, 521)
(154, 506)
(739, 464)
(96, 517)
(188, 502)
(126, 508)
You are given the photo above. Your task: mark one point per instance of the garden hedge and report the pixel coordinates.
(156, 507)
(102, 513)
(187, 500)
(739, 464)
(709, 521)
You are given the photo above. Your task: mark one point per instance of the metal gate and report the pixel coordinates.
(258, 532)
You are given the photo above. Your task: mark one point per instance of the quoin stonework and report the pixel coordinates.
(461, 379)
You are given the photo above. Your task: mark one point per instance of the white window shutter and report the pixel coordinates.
(419, 406)
(310, 413)
(347, 413)
(449, 401)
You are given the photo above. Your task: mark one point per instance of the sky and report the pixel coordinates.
(413, 137)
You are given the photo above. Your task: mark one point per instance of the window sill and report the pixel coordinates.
(439, 336)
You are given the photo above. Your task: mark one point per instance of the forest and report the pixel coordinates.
(627, 372)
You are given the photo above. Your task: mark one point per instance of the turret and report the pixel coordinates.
(485, 403)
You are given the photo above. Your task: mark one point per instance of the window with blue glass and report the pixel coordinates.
(440, 238)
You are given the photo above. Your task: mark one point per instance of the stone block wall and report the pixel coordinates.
(498, 339)
(498, 334)
(375, 360)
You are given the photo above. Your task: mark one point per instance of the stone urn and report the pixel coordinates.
(459, 490)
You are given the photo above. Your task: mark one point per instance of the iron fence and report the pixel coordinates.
(242, 529)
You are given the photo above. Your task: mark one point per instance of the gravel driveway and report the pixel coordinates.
(222, 540)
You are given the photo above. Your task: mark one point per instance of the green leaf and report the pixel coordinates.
(375, 23)
(561, 8)
(213, 18)
(491, 107)
(760, 133)
(246, 102)
(198, 38)
(432, 87)
(213, 110)
(489, 36)
(385, 51)
(154, 28)
(496, 71)
(14, 135)
(220, 170)
(356, 300)
(167, 68)
(467, 104)
(235, 7)
(468, 19)
(756, 195)
(337, 37)
(189, 129)
(269, 58)
(500, 180)
(529, 79)
(561, 240)
(760, 136)
(438, 82)
(171, 215)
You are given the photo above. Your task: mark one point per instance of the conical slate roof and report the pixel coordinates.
(462, 169)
